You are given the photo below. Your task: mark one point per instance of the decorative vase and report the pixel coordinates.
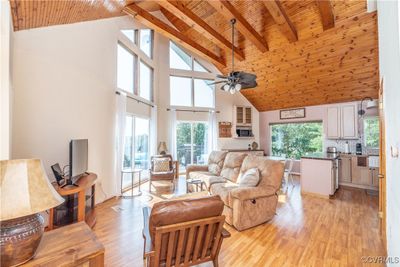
(19, 239)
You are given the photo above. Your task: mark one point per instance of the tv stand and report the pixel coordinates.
(79, 205)
(69, 182)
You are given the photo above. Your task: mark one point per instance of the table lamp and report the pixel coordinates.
(25, 191)
(162, 148)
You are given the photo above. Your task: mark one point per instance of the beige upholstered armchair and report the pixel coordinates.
(162, 169)
(246, 207)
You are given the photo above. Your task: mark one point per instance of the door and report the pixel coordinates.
(345, 169)
(349, 122)
(191, 143)
(333, 131)
(382, 166)
(248, 115)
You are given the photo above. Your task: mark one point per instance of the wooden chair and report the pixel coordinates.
(168, 175)
(184, 244)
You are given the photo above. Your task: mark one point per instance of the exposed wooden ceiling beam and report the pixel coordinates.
(229, 12)
(280, 18)
(326, 12)
(156, 24)
(179, 9)
(178, 24)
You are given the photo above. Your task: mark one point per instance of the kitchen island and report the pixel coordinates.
(319, 174)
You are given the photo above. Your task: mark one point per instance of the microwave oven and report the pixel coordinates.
(244, 132)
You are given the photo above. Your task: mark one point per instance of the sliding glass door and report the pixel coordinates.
(136, 151)
(191, 143)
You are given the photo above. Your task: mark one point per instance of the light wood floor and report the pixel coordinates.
(307, 231)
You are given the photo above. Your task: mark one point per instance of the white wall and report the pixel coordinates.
(5, 83)
(65, 80)
(389, 69)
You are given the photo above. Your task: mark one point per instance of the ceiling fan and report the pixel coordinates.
(236, 80)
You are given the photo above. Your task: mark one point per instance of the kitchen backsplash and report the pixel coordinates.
(339, 144)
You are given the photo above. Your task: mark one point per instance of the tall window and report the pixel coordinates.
(190, 82)
(136, 151)
(126, 69)
(371, 132)
(292, 140)
(191, 143)
(134, 63)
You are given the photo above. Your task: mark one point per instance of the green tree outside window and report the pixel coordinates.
(292, 140)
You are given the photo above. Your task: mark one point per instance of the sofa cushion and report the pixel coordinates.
(207, 177)
(216, 161)
(161, 165)
(176, 211)
(271, 171)
(250, 178)
(232, 163)
(224, 191)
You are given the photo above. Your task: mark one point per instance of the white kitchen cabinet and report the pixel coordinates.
(243, 116)
(342, 122)
(345, 169)
(333, 125)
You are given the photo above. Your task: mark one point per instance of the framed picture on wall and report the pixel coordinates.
(292, 113)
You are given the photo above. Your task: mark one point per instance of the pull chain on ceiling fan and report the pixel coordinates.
(236, 80)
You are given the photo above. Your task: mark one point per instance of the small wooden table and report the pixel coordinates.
(72, 245)
(84, 183)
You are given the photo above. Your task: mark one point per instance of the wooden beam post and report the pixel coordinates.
(227, 10)
(156, 24)
(179, 9)
(326, 12)
(280, 18)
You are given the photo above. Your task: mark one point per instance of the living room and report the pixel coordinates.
(283, 125)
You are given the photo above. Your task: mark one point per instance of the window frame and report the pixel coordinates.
(191, 122)
(293, 122)
(138, 42)
(192, 75)
(140, 56)
(145, 175)
(364, 134)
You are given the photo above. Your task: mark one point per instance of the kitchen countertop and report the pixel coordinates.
(321, 156)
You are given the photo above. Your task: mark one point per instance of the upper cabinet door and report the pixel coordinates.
(248, 115)
(239, 115)
(333, 125)
(349, 122)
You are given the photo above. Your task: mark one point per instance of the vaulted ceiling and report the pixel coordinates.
(303, 52)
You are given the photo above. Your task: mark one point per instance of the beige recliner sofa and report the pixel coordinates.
(245, 207)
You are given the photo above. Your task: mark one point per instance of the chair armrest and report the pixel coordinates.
(146, 232)
(225, 233)
(247, 193)
(194, 168)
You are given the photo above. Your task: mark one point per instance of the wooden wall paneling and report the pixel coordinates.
(156, 24)
(283, 21)
(179, 9)
(228, 11)
(326, 12)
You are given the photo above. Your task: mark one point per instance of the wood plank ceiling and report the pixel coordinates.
(303, 52)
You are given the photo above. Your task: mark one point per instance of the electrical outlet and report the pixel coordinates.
(394, 151)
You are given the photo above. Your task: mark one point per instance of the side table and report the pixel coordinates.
(195, 182)
(132, 173)
(72, 245)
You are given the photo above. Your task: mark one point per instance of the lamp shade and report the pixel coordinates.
(25, 189)
(162, 147)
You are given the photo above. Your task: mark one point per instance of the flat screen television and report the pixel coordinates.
(78, 157)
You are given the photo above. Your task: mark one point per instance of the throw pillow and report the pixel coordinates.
(161, 165)
(249, 178)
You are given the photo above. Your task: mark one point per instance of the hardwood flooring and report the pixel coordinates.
(306, 231)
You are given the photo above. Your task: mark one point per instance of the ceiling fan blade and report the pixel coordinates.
(216, 82)
(248, 85)
(246, 76)
(222, 76)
